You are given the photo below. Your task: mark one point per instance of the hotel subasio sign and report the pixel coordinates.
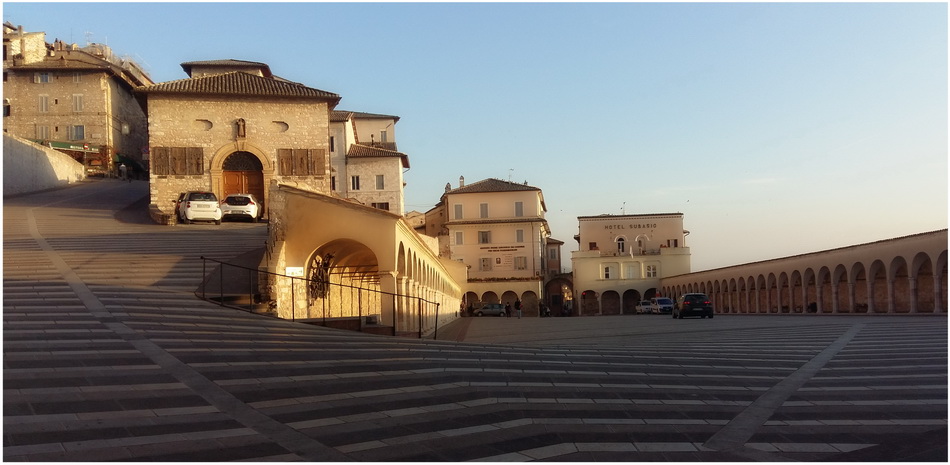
(629, 226)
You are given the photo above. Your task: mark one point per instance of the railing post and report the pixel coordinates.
(293, 301)
(435, 336)
(250, 291)
(204, 275)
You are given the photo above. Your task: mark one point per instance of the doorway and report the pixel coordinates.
(243, 174)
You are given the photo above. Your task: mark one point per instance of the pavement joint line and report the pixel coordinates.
(744, 425)
(289, 438)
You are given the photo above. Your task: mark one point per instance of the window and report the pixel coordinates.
(484, 264)
(41, 78)
(333, 183)
(332, 144)
(77, 132)
(380, 182)
(42, 132)
(77, 77)
(484, 237)
(381, 205)
(177, 160)
(651, 271)
(483, 210)
(521, 263)
(519, 235)
(458, 237)
(606, 272)
(672, 242)
(43, 104)
(552, 254)
(301, 162)
(355, 183)
(77, 102)
(621, 245)
(519, 209)
(383, 136)
(592, 246)
(458, 211)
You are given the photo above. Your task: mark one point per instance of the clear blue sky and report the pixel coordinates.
(777, 129)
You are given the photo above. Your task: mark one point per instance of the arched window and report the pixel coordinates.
(621, 245)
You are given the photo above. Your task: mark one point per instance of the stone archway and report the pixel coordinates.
(242, 173)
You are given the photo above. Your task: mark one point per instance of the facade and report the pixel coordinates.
(365, 165)
(78, 100)
(234, 127)
(497, 229)
(902, 275)
(622, 259)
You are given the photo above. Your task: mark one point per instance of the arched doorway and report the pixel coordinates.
(242, 173)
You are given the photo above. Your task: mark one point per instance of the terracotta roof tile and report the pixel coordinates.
(237, 83)
(365, 151)
(492, 185)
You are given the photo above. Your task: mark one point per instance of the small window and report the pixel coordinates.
(484, 264)
(521, 263)
(333, 183)
(381, 205)
(77, 77)
(552, 254)
(332, 144)
(592, 246)
(458, 237)
(621, 245)
(458, 211)
(42, 132)
(77, 132)
(355, 183)
(41, 78)
(651, 271)
(483, 210)
(519, 209)
(43, 104)
(484, 237)
(380, 182)
(519, 235)
(383, 136)
(606, 272)
(77, 103)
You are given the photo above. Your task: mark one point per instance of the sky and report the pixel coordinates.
(776, 129)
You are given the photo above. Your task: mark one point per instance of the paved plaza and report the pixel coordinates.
(109, 355)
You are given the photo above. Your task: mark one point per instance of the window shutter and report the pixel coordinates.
(319, 158)
(159, 160)
(195, 160)
(285, 162)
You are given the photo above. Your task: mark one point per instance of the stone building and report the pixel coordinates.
(621, 259)
(78, 100)
(365, 164)
(497, 229)
(233, 127)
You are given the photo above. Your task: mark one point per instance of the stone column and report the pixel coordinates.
(851, 297)
(871, 296)
(938, 294)
(834, 298)
(912, 289)
(387, 305)
(891, 305)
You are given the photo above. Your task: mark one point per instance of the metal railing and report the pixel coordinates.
(235, 283)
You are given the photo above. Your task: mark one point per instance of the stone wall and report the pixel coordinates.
(29, 167)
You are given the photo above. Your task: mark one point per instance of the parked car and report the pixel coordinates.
(692, 305)
(241, 206)
(491, 309)
(643, 306)
(201, 206)
(661, 305)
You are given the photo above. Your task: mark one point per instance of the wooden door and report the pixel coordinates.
(243, 182)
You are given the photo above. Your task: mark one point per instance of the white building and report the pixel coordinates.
(365, 165)
(497, 228)
(622, 258)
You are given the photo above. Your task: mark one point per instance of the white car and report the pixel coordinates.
(241, 206)
(643, 307)
(199, 206)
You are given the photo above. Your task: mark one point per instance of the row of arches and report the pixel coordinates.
(900, 285)
(530, 301)
(612, 302)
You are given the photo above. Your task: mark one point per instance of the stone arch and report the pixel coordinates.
(342, 277)
(590, 304)
(761, 295)
(489, 297)
(858, 289)
(784, 290)
(771, 294)
(219, 157)
(610, 303)
(796, 292)
(898, 286)
(877, 287)
(922, 284)
(631, 297)
(508, 298)
(558, 293)
(529, 303)
(839, 289)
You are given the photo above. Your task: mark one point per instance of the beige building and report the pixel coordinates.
(234, 127)
(78, 100)
(497, 229)
(365, 165)
(621, 259)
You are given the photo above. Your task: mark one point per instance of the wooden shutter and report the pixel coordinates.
(301, 162)
(178, 160)
(285, 162)
(319, 159)
(195, 158)
(159, 161)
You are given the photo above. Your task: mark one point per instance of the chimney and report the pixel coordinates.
(461, 181)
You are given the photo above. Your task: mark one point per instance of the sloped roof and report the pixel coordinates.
(365, 151)
(492, 185)
(238, 83)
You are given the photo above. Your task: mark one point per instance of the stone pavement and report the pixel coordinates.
(108, 355)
